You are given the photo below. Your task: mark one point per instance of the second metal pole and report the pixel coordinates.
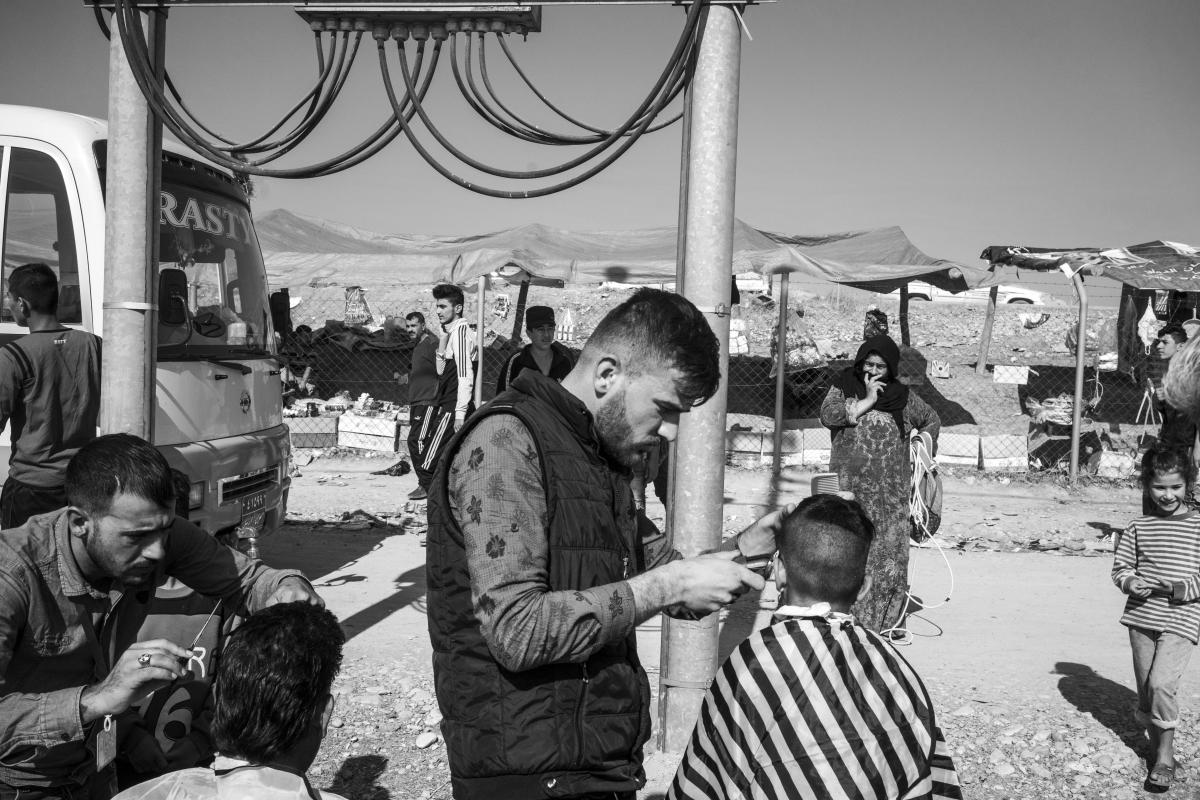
(1080, 366)
(699, 494)
(780, 375)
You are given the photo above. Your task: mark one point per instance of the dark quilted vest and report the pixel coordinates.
(560, 729)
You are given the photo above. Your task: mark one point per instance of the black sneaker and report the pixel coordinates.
(418, 493)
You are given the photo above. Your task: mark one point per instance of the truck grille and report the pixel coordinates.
(230, 490)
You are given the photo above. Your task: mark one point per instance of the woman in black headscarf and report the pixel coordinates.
(870, 414)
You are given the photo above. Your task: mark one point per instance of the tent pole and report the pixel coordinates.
(699, 494)
(479, 339)
(905, 339)
(780, 374)
(985, 342)
(1080, 364)
(519, 317)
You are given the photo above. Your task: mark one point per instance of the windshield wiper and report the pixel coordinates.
(169, 356)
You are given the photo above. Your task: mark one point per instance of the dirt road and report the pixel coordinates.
(1026, 661)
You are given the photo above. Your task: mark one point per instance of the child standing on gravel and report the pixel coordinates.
(1157, 563)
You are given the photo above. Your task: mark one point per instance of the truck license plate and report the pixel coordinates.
(253, 502)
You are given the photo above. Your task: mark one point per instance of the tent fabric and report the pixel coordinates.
(881, 260)
(308, 252)
(1151, 265)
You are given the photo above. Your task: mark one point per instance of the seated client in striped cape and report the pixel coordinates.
(815, 705)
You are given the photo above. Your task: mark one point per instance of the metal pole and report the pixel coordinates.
(479, 340)
(985, 343)
(1080, 365)
(905, 339)
(133, 180)
(700, 450)
(780, 373)
(671, 454)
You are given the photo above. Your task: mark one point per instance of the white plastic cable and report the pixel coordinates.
(923, 466)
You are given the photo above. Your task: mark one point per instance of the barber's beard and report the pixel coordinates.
(615, 432)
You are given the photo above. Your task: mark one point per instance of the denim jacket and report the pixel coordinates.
(48, 654)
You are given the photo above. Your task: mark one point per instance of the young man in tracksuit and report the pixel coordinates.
(455, 361)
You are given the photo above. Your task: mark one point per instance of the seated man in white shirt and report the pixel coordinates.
(815, 706)
(285, 658)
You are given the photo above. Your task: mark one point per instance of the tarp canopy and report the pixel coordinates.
(638, 256)
(880, 260)
(303, 251)
(1152, 265)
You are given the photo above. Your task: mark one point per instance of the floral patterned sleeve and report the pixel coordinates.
(835, 410)
(498, 498)
(921, 416)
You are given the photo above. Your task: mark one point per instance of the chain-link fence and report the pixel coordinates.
(349, 352)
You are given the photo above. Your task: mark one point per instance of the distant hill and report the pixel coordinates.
(283, 231)
(302, 251)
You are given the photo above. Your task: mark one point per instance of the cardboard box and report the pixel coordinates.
(312, 431)
(369, 433)
(958, 448)
(1006, 373)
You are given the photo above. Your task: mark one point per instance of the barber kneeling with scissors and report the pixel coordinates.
(74, 586)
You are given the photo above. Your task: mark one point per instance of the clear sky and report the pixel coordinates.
(966, 122)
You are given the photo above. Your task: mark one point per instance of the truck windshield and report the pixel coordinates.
(212, 288)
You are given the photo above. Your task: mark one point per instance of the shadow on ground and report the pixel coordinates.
(1108, 702)
(410, 591)
(310, 549)
(358, 778)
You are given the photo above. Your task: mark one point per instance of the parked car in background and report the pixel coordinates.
(1008, 294)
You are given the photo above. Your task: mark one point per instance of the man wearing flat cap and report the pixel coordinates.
(542, 353)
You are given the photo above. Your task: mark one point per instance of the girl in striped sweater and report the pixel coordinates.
(1157, 564)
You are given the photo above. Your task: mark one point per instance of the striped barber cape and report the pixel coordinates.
(816, 706)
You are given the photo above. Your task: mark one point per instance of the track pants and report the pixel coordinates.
(420, 419)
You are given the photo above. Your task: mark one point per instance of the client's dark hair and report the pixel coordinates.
(823, 545)
(118, 464)
(656, 327)
(1162, 459)
(37, 285)
(274, 679)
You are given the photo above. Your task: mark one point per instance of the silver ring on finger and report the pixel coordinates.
(144, 660)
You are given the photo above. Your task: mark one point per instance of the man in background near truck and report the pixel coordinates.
(49, 392)
(456, 358)
(422, 398)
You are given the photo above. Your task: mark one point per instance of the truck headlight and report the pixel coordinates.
(195, 495)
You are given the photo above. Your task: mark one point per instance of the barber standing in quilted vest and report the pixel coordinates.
(540, 567)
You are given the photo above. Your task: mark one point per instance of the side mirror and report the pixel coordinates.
(172, 297)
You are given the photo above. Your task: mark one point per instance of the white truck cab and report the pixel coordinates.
(218, 404)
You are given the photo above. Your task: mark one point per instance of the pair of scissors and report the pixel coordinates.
(200, 654)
